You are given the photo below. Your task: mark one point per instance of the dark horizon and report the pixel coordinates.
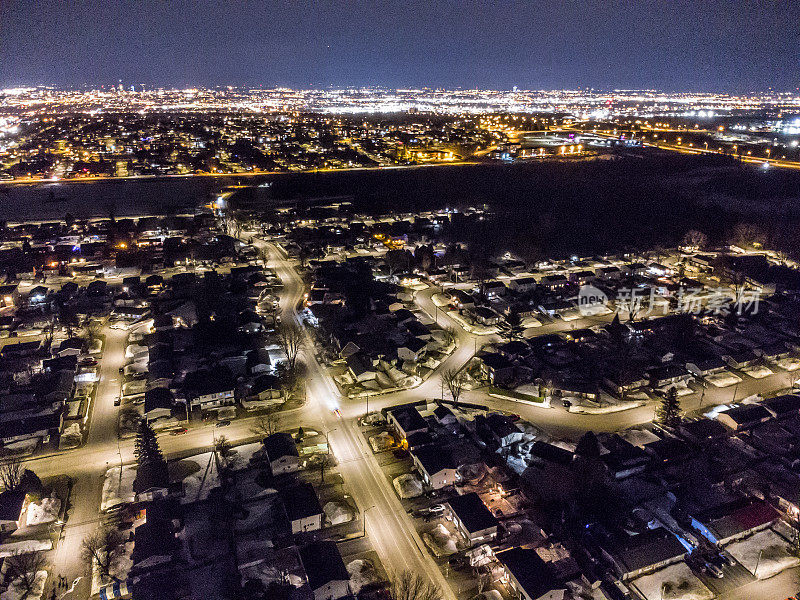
(680, 46)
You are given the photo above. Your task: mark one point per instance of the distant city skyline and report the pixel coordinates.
(671, 46)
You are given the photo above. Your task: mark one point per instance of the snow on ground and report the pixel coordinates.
(198, 484)
(119, 568)
(17, 592)
(45, 511)
(772, 551)
(362, 573)
(118, 490)
(723, 379)
(380, 442)
(24, 546)
(638, 437)
(337, 513)
(677, 582)
(24, 447)
(788, 364)
(599, 410)
(245, 452)
(441, 541)
(407, 485)
(758, 371)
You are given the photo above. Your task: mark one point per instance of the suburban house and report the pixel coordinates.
(360, 367)
(486, 316)
(153, 544)
(522, 284)
(435, 465)
(281, 453)
(158, 403)
(152, 481)
(325, 571)
(9, 295)
(554, 282)
(503, 429)
(640, 553)
(302, 508)
(207, 389)
(11, 503)
(406, 420)
(494, 289)
(496, 368)
(744, 417)
(265, 390)
(411, 349)
(783, 407)
(703, 431)
(734, 520)
(473, 519)
(529, 576)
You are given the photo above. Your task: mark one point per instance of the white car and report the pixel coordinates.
(436, 509)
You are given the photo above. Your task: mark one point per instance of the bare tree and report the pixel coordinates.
(695, 239)
(101, 548)
(93, 328)
(10, 472)
(450, 336)
(290, 338)
(747, 235)
(455, 381)
(413, 586)
(265, 424)
(22, 568)
(227, 458)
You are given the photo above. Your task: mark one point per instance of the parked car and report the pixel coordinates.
(715, 570)
(223, 423)
(117, 401)
(88, 362)
(436, 509)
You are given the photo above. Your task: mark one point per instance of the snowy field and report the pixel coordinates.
(676, 582)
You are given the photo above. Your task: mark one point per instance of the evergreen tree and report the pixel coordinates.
(146, 448)
(669, 411)
(514, 321)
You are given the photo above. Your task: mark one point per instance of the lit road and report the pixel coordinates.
(389, 527)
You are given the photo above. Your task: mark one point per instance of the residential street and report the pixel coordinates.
(390, 530)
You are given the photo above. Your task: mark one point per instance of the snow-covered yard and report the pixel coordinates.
(765, 550)
(337, 513)
(44, 511)
(441, 540)
(118, 490)
(120, 567)
(362, 573)
(380, 442)
(407, 485)
(723, 379)
(199, 475)
(12, 548)
(676, 582)
(758, 371)
(15, 591)
(789, 363)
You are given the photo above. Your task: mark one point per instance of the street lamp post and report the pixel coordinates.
(364, 518)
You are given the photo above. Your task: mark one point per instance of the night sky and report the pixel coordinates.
(673, 45)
